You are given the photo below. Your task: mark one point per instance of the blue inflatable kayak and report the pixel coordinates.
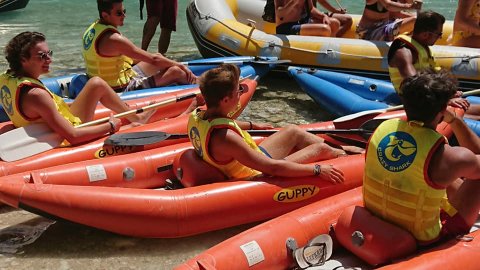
(342, 94)
(332, 97)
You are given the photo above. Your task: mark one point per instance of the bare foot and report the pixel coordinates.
(142, 118)
(353, 149)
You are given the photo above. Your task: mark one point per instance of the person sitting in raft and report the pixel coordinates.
(222, 142)
(125, 67)
(382, 20)
(466, 25)
(410, 168)
(27, 100)
(339, 14)
(409, 54)
(300, 17)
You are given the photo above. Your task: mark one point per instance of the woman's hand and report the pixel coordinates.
(331, 174)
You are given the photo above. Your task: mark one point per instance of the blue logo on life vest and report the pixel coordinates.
(196, 140)
(6, 98)
(397, 151)
(88, 38)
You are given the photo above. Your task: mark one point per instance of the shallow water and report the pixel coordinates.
(28, 241)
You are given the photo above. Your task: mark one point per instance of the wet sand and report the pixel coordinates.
(62, 245)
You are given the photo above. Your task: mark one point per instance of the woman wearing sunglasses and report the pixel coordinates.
(125, 67)
(27, 100)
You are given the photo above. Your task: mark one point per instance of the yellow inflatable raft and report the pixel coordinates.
(235, 27)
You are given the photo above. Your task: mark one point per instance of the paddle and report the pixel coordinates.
(151, 137)
(254, 60)
(37, 138)
(393, 108)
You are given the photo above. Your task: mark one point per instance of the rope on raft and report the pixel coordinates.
(204, 16)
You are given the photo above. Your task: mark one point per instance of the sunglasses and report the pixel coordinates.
(45, 55)
(121, 13)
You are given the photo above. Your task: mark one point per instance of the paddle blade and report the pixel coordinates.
(27, 141)
(141, 138)
(372, 124)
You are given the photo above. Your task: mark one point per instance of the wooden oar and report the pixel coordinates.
(389, 109)
(151, 137)
(37, 138)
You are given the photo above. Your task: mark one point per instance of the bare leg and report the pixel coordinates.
(334, 27)
(297, 145)
(170, 76)
(314, 29)
(149, 31)
(97, 90)
(407, 24)
(466, 200)
(345, 23)
(164, 77)
(164, 40)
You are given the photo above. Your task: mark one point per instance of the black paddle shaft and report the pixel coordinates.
(151, 137)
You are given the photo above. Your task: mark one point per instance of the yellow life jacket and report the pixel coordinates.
(10, 89)
(115, 70)
(425, 60)
(396, 185)
(199, 131)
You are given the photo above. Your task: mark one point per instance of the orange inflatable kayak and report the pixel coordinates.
(264, 246)
(180, 212)
(150, 168)
(97, 149)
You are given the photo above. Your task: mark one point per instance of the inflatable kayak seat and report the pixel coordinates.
(372, 239)
(192, 170)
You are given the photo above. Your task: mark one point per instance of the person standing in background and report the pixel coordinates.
(163, 12)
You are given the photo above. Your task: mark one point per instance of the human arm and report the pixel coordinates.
(38, 103)
(465, 136)
(403, 60)
(459, 102)
(393, 6)
(222, 139)
(248, 125)
(318, 16)
(450, 163)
